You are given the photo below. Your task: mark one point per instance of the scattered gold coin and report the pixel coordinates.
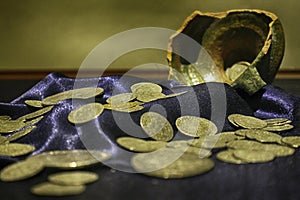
(73, 178)
(35, 114)
(4, 118)
(15, 149)
(72, 159)
(254, 156)
(156, 126)
(139, 145)
(85, 113)
(21, 170)
(228, 157)
(120, 98)
(263, 136)
(195, 126)
(278, 150)
(248, 122)
(278, 121)
(50, 189)
(81, 93)
(2, 139)
(293, 141)
(145, 86)
(20, 134)
(34, 103)
(284, 127)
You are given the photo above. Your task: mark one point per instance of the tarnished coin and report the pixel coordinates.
(73, 178)
(15, 149)
(72, 159)
(81, 93)
(33, 121)
(278, 121)
(278, 150)
(20, 134)
(121, 98)
(145, 86)
(34, 103)
(195, 126)
(254, 156)
(227, 156)
(21, 170)
(139, 145)
(165, 165)
(263, 136)
(36, 113)
(279, 128)
(85, 113)
(50, 189)
(293, 141)
(249, 122)
(156, 126)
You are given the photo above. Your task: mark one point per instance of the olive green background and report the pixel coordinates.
(58, 34)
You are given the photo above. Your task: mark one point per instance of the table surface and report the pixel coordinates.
(276, 180)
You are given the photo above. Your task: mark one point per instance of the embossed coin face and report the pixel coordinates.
(248, 122)
(72, 159)
(156, 126)
(139, 145)
(186, 165)
(15, 149)
(145, 87)
(34, 103)
(73, 178)
(254, 156)
(293, 141)
(21, 170)
(50, 189)
(81, 93)
(85, 113)
(195, 126)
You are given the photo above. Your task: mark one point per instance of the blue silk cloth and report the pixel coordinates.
(214, 101)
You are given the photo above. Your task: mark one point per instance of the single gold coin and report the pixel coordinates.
(279, 128)
(183, 145)
(125, 107)
(263, 136)
(33, 121)
(148, 97)
(214, 141)
(293, 141)
(254, 156)
(20, 134)
(36, 114)
(4, 118)
(72, 159)
(120, 98)
(277, 121)
(34, 103)
(73, 178)
(50, 189)
(249, 122)
(10, 126)
(228, 157)
(245, 144)
(165, 164)
(80, 93)
(195, 126)
(145, 86)
(139, 145)
(21, 170)
(231, 119)
(15, 149)
(278, 150)
(85, 113)
(3, 139)
(156, 126)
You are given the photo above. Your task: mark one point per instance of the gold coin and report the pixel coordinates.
(263, 136)
(148, 97)
(20, 134)
(278, 150)
(72, 159)
(73, 178)
(21, 170)
(139, 145)
(145, 86)
(156, 126)
(245, 144)
(249, 122)
(15, 149)
(81, 93)
(34, 103)
(277, 121)
(231, 119)
(186, 148)
(126, 107)
(214, 141)
(284, 127)
(254, 156)
(121, 98)
(33, 121)
(10, 126)
(50, 189)
(36, 113)
(293, 141)
(195, 126)
(227, 156)
(85, 113)
(4, 118)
